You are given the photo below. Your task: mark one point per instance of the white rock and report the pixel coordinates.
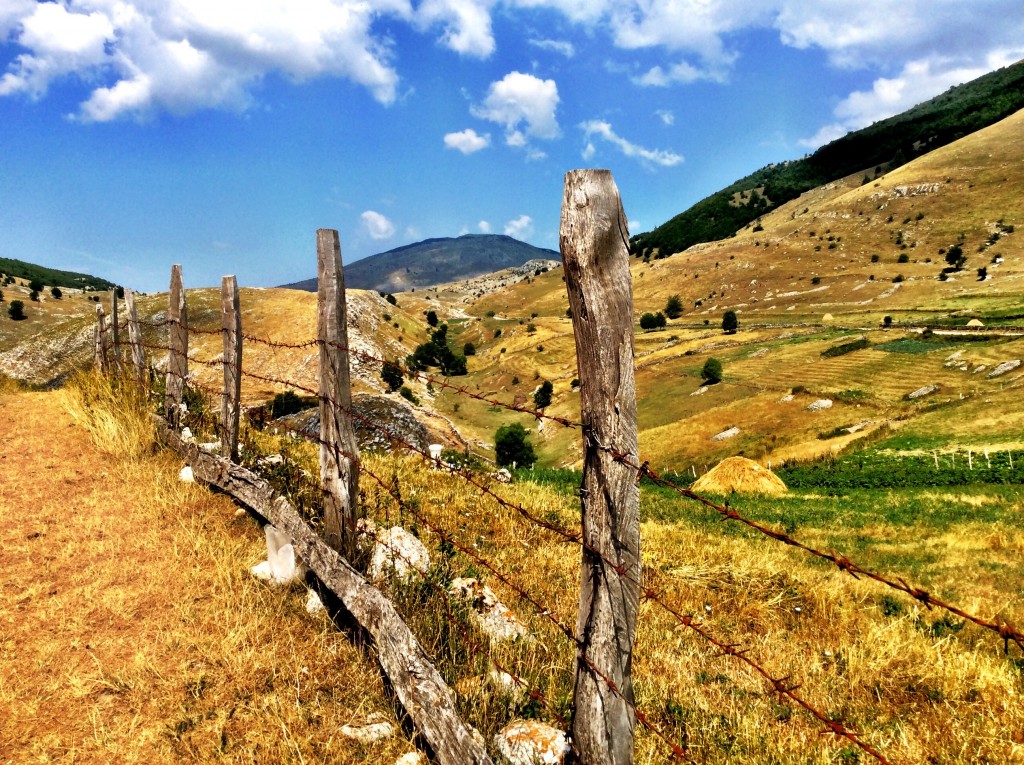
(313, 603)
(376, 729)
(502, 476)
(282, 565)
(271, 459)
(399, 553)
(979, 368)
(700, 391)
(725, 435)
(213, 447)
(186, 435)
(821, 403)
(528, 742)
(1005, 367)
(786, 399)
(923, 391)
(185, 475)
(412, 758)
(491, 615)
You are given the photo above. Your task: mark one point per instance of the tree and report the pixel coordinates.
(391, 299)
(34, 296)
(469, 350)
(955, 257)
(391, 374)
(36, 284)
(542, 397)
(57, 294)
(651, 321)
(712, 371)
(1, 296)
(16, 310)
(674, 307)
(512, 446)
(730, 322)
(432, 318)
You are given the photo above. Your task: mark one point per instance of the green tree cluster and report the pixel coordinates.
(512, 446)
(542, 396)
(650, 321)
(730, 323)
(436, 353)
(674, 307)
(391, 374)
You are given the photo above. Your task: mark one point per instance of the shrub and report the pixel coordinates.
(34, 296)
(674, 307)
(649, 321)
(531, 328)
(815, 280)
(512, 446)
(542, 396)
(469, 350)
(391, 374)
(712, 371)
(955, 256)
(391, 299)
(887, 321)
(903, 258)
(285, 403)
(36, 285)
(875, 258)
(57, 294)
(406, 393)
(16, 310)
(844, 348)
(575, 383)
(730, 323)
(897, 279)
(982, 273)
(432, 318)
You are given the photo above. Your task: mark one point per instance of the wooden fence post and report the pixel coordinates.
(177, 358)
(116, 331)
(100, 338)
(135, 341)
(339, 474)
(595, 253)
(231, 316)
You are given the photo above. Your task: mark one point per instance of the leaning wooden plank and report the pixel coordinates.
(421, 690)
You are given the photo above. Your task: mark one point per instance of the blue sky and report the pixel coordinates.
(221, 134)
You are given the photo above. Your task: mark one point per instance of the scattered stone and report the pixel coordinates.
(376, 728)
(758, 353)
(502, 476)
(213, 447)
(979, 368)
(412, 758)
(821, 403)
(529, 742)
(185, 475)
(701, 390)
(491, 615)
(1005, 367)
(725, 435)
(282, 565)
(926, 390)
(313, 603)
(398, 553)
(272, 459)
(787, 398)
(186, 435)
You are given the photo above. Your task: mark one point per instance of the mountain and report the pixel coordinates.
(435, 261)
(870, 152)
(51, 277)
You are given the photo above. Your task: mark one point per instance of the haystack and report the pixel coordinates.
(975, 323)
(738, 474)
(828, 317)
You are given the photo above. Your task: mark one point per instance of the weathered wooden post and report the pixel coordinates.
(135, 341)
(177, 347)
(115, 331)
(339, 475)
(100, 339)
(231, 317)
(595, 254)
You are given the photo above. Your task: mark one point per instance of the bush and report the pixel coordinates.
(887, 321)
(432, 318)
(36, 285)
(16, 310)
(469, 350)
(408, 395)
(844, 348)
(512, 446)
(531, 328)
(391, 299)
(651, 321)
(903, 258)
(897, 279)
(955, 257)
(674, 307)
(57, 294)
(730, 323)
(874, 258)
(712, 371)
(497, 333)
(286, 403)
(391, 374)
(815, 280)
(542, 397)
(34, 296)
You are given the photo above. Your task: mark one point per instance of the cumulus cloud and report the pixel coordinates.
(519, 228)
(917, 82)
(377, 225)
(525, 105)
(484, 226)
(467, 24)
(604, 130)
(467, 141)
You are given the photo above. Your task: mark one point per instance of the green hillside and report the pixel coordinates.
(52, 277)
(873, 150)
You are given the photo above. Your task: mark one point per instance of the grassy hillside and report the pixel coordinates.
(51, 277)
(868, 153)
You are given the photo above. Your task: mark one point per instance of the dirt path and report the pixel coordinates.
(130, 630)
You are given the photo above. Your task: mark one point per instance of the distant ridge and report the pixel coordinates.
(435, 261)
(52, 277)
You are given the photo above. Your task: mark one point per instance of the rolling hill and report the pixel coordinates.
(436, 261)
(881, 147)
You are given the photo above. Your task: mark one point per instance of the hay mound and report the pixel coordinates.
(738, 474)
(975, 323)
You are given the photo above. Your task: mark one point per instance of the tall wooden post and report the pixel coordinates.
(115, 331)
(231, 317)
(339, 475)
(135, 341)
(177, 359)
(595, 255)
(100, 338)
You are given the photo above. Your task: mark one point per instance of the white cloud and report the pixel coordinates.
(604, 130)
(666, 116)
(484, 226)
(683, 72)
(467, 24)
(919, 81)
(562, 47)
(521, 99)
(377, 225)
(467, 141)
(520, 227)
